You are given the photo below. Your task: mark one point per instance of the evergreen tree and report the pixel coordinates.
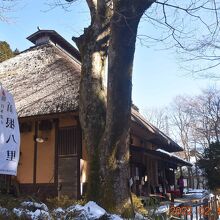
(5, 51)
(16, 51)
(210, 163)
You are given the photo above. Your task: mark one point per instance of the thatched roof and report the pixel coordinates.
(43, 80)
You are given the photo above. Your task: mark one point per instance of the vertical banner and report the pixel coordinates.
(9, 134)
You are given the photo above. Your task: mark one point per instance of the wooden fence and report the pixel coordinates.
(208, 209)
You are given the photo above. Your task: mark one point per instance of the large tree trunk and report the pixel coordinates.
(115, 144)
(106, 130)
(93, 46)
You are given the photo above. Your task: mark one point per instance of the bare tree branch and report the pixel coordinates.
(6, 7)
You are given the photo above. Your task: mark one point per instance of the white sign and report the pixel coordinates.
(9, 134)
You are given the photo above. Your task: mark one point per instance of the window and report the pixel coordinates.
(67, 141)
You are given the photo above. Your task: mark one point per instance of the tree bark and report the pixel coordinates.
(106, 128)
(115, 143)
(93, 46)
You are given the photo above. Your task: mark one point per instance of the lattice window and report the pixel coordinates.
(67, 141)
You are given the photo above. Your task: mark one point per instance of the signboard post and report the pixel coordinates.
(9, 134)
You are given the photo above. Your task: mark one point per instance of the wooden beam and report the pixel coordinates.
(56, 121)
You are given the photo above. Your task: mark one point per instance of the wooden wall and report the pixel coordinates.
(138, 141)
(45, 157)
(36, 163)
(26, 162)
(39, 165)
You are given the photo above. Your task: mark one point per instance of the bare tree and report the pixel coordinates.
(206, 110)
(181, 120)
(159, 117)
(6, 7)
(105, 122)
(192, 27)
(194, 122)
(197, 122)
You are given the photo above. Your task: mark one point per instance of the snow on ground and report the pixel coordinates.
(92, 209)
(41, 206)
(35, 215)
(194, 195)
(197, 191)
(197, 194)
(39, 211)
(89, 211)
(115, 217)
(138, 217)
(58, 213)
(162, 209)
(4, 211)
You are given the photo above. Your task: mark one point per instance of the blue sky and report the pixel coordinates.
(157, 77)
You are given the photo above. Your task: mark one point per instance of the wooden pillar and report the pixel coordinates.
(156, 173)
(148, 175)
(174, 176)
(164, 179)
(56, 121)
(152, 174)
(35, 153)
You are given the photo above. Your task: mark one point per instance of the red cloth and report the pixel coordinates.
(175, 193)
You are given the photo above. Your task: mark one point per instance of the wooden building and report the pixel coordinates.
(153, 162)
(44, 81)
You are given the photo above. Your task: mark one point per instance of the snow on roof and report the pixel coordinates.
(165, 152)
(173, 156)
